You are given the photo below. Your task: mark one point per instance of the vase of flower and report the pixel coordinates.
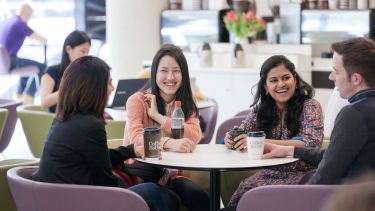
(243, 25)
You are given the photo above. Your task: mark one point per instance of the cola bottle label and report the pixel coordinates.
(177, 128)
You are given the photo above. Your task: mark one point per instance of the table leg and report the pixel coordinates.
(215, 189)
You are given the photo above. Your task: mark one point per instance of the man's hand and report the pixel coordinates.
(278, 151)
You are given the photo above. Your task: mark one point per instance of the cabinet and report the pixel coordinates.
(230, 87)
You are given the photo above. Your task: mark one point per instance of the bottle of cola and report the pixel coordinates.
(178, 120)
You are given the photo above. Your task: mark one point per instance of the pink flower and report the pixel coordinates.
(243, 25)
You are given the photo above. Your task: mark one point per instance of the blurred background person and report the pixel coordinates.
(13, 32)
(76, 45)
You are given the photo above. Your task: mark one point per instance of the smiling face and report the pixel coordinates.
(78, 51)
(281, 85)
(168, 78)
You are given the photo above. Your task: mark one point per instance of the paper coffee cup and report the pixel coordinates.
(255, 144)
(151, 138)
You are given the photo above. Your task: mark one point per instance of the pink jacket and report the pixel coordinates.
(138, 119)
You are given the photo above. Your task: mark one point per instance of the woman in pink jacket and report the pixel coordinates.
(153, 106)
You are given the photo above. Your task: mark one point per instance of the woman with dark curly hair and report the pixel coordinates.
(284, 109)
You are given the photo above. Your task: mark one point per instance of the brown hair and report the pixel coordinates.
(83, 88)
(358, 56)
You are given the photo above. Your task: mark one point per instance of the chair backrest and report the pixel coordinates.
(286, 198)
(6, 199)
(37, 133)
(209, 116)
(29, 70)
(4, 61)
(243, 113)
(10, 122)
(3, 118)
(30, 195)
(227, 125)
(115, 129)
(35, 123)
(334, 106)
(114, 143)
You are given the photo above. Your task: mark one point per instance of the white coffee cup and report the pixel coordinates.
(255, 144)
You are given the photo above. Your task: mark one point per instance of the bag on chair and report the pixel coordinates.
(125, 179)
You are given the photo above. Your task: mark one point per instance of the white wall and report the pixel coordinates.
(133, 34)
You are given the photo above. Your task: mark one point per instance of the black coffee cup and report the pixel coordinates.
(151, 138)
(234, 133)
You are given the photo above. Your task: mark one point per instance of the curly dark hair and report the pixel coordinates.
(266, 109)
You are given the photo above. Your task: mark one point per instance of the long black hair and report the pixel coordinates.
(184, 93)
(74, 39)
(266, 109)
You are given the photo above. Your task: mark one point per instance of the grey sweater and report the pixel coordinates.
(352, 144)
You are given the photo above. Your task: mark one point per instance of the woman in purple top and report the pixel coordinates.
(284, 109)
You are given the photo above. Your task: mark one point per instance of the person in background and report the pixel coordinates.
(352, 142)
(153, 106)
(75, 150)
(285, 110)
(13, 33)
(76, 45)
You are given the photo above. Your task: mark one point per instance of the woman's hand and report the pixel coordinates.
(228, 140)
(139, 151)
(152, 111)
(180, 145)
(240, 141)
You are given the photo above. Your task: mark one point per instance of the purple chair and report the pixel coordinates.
(209, 115)
(10, 122)
(243, 113)
(30, 195)
(287, 197)
(31, 70)
(227, 125)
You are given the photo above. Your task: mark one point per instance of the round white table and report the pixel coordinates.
(213, 158)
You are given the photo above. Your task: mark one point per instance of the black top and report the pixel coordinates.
(76, 152)
(56, 73)
(352, 144)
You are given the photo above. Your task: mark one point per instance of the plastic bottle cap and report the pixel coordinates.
(177, 103)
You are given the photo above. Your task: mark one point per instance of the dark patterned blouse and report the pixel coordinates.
(311, 123)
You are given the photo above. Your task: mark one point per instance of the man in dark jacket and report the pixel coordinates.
(352, 144)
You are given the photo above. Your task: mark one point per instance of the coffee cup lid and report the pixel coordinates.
(151, 130)
(256, 134)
